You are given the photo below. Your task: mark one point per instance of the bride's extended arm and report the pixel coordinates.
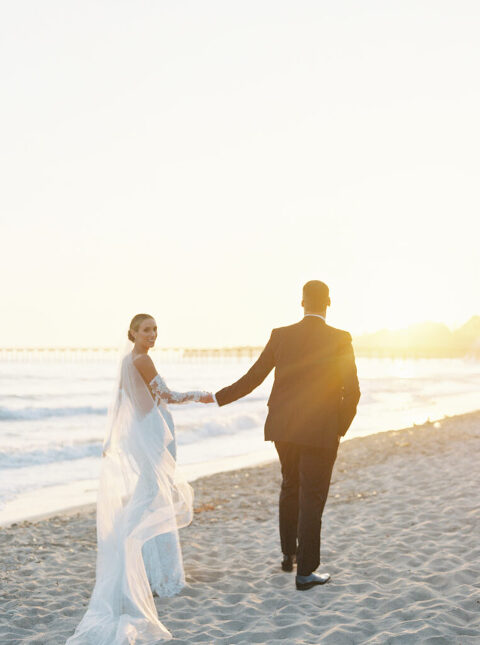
(160, 390)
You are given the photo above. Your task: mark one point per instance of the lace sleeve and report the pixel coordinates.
(162, 394)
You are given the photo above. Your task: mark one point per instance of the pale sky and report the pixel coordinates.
(201, 160)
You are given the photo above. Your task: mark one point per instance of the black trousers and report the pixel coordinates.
(306, 474)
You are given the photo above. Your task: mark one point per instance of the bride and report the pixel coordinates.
(141, 504)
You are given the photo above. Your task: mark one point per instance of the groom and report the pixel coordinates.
(312, 404)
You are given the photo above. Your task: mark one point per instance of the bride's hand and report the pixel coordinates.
(207, 398)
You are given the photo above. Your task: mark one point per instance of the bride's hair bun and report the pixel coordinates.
(135, 324)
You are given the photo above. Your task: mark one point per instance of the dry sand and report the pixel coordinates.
(401, 539)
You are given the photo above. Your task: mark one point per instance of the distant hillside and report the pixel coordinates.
(423, 340)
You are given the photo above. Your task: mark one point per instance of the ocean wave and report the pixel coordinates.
(48, 455)
(209, 429)
(76, 451)
(32, 414)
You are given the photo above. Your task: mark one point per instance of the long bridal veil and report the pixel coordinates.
(139, 498)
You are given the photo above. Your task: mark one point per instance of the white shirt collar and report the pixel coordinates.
(316, 316)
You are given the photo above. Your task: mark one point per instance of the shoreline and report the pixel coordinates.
(399, 537)
(85, 491)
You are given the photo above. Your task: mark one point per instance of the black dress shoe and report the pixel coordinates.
(307, 582)
(287, 562)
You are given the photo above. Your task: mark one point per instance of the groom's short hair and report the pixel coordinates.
(315, 294)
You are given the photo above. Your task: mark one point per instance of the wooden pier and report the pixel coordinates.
(166, 354)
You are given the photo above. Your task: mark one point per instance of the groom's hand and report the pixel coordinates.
(207, 398)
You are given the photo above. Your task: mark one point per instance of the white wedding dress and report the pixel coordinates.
(141, 504)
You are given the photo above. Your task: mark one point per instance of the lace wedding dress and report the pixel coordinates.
(141, 504)
(162, 555)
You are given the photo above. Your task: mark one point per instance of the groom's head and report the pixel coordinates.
(316, 297)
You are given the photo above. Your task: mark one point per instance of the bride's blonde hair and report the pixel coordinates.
(135, 324)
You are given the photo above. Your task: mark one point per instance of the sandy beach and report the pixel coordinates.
(401, 540)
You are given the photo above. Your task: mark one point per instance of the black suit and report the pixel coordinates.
(313, 402)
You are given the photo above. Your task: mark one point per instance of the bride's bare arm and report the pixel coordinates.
(146, 367)
(159, 389)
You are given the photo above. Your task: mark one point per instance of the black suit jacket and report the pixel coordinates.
(315, 392)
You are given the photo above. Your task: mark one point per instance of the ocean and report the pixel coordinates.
(53, 415)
